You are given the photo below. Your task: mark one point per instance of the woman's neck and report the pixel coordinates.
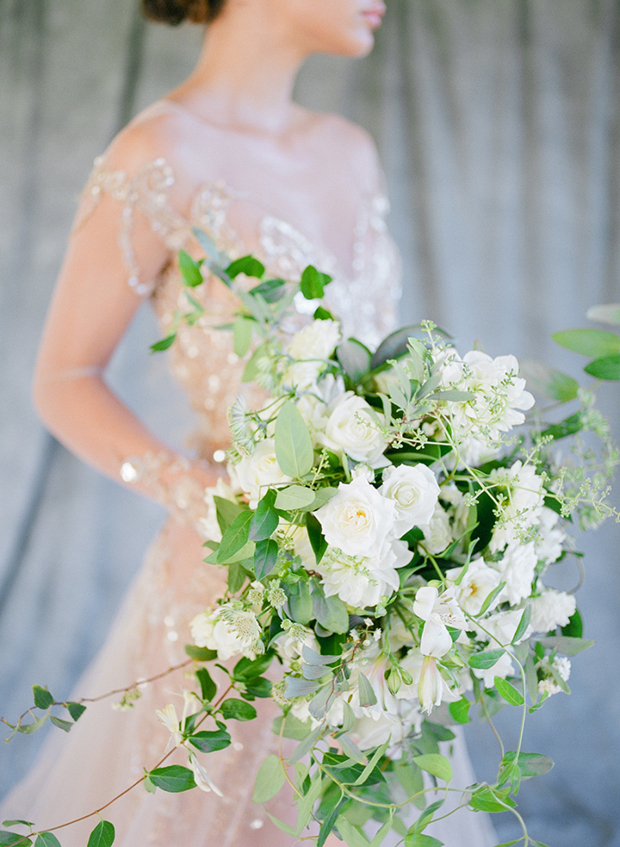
(245, 75)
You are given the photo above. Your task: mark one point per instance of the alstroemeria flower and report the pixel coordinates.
(438, 612)
(432, 687)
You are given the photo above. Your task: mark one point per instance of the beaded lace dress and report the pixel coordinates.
(108, 749)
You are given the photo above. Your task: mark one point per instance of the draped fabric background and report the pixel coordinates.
(498, 122)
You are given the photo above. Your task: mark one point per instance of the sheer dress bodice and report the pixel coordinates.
(363, 296)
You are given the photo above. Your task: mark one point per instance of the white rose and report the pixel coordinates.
(517, 568)
(414, 491)
(479, 581)
(259, 471)
(354, 582)
(351, 428)
(357, 519)
(437, 534)
(228, 630)
(209, 525)
(552, 609)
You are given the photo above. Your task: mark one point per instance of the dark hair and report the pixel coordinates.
(176, 11)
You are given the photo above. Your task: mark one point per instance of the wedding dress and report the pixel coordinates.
(108, 749)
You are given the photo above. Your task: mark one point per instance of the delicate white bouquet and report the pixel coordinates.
(387, 527)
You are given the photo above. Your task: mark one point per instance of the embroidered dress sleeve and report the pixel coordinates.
(126, 232)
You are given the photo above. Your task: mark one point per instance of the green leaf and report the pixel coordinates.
(246, 669)
(530, 764)
(351, 834)
(237, 710)
(329, 822)
(491, 597)
(271, 290)
(323, 496)
(266, 519)
(265, 557)
(37, 723)
(292, 442)
(508, 692)
(200, 654)
(209, 742)
(317, 539)
(242, 336)
(569, 426)
(460, 710)
(322, 314)
(435, 764)
(294, 497)
(486, 659)
(589, 342)
(42, 698)
(190, 270)
(313, 283)
(8, 839)
(208, 245)
(411, 779)
(103, 835)
(574, 627)
(226, 512)
(486, 800)
(235, 537)
(208, 688)
(330, 612)
(164, 344)
(76, 710)
(565, 645)
(66, 726)
(18, 823)
(418, 839)
(605, 367)
(47, 839)
(293, 727)
(285, 827)
(173, 779)
(548, 381)
(608, 313)
(306, 745)
(237, 574)
(350, 749)
(296, 687)
(355, 358)
(366, 692)
(248, 265)
(269, 780)
(524, 622)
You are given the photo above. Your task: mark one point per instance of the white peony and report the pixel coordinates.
(502, 668)
(552, 609)
(358, 519)
(549, 545)
(479, 581)
(524, 504)
(228, 630)
(517, 568)
(351, 428)
(259, 471)
(414, 491)
(438, 533)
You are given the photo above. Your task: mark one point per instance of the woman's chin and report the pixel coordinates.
(355, 46)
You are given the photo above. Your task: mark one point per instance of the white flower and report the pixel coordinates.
(259, 471)
(358, 519)
(362, 470)
(437, 534)
(318, 340)
(501, 627)
(552, 537)
(502, 668)
(289, 648)
(399, 635)
(210, 529)
(168, 716)
(414, 491)
(479, 581)
(438, 612)
(525, 502)
(228, 630)
(517, 568)
(352, 429)
(362, 581)
(562, 667)
(372, 730)
(552, 609)
(432, 687)
(201, 777)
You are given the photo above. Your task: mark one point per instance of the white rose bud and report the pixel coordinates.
(259, 471)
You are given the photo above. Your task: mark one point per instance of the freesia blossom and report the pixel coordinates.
(438, 612)
(229, 630)
(479, 581)
(259, 471)
(351, 428)
(414, 491)
(552, 609)
(358, 519)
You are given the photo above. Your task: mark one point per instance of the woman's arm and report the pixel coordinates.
(92, 307)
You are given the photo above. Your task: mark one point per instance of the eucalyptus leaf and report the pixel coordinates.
(355, 358)
(307, 744)
(271, 290)
(209, 246)
(294, 497)
(394, 346)
(486, 659)
(350, 748)
(524, 622)
(330, 612)
(311, 657)
(293, 444)
(296, 687)
(269, 780)
(285, 827)
(565, 645)
(366, 692)
(509, 693)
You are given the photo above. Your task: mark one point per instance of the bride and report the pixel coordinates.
(230, 152)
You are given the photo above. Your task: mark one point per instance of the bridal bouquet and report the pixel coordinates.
(388, 524)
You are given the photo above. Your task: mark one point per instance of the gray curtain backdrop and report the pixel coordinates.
(498, 122)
